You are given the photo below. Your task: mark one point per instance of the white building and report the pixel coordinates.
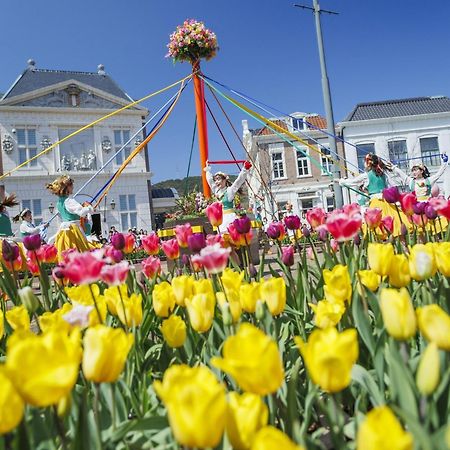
(44, 106)
(406, 132)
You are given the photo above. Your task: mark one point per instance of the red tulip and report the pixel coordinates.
(236, 238)
(182, 233)
(171, 248)
(116, 274)
(373, 217)
(130, 240)
(32, 242)
(316, 217)
(292, 222)
(214, 213)
(407, 201)
(387, 223)
(32, 266)
(84, 268)
(419, 219)
(342, 226)
(151, 266)
(150, 243)
(287, 255)
(391, 194)
(441, 205)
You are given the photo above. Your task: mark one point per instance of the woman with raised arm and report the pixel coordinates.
(225, 191)
(27, 227)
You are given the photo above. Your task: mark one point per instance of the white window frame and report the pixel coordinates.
(404, 163)
(33, 165)
(360, 144)
(324, 161)
(279, 149)
(127, 212)
(302, 120)
(124, 153)
(299, 155)
(31, 205)
(425, 159)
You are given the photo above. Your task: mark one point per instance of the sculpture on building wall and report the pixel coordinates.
(8, 144)
(65, 163)
(83, 162)
(92, 160)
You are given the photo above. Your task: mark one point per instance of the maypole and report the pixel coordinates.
(191, 42)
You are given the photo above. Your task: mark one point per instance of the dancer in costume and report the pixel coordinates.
(225, 191)
(27, 226)
(378, 176)
(5, 222)
(70, 234)
(420, 181)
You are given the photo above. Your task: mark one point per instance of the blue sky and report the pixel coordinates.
(375, 50)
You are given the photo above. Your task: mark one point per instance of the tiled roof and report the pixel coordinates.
(315, 120)
(33, 79)
(399, 108)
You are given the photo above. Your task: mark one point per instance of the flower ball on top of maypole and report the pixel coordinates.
(191, 42)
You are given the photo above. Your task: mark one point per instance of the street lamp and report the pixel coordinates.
(51, 207)
(113, 205)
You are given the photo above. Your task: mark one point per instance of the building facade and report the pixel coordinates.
(283, 175)
(45, 106)
(405, 131)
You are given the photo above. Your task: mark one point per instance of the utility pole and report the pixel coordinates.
(327, 98)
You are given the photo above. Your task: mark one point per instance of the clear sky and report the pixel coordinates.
(376, 50)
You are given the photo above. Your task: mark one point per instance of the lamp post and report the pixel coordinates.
(51, 207)
(113, 205)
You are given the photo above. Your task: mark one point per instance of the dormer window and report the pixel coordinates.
(74, 95)
(299, 124)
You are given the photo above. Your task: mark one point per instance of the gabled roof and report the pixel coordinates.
(399, 108)
(314, 119)
(33, 79)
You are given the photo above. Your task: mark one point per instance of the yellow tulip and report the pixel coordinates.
(381, 430)
(163, 299)
(232, 279)
(271, 438)
(249, 294)
(105, 353)
(183, 288)
(422, 264)
(434, 324)
(370, 279)
(329, 357)
(203, 286)
(89, 295)
(428, 372)
(273, 293)
(246, 414)
(399, 275)
(327, 314)
(128, 308)
(18, 318)
(231, 300)
(201, 311)
(44, 368)
(398, 313)
(54, 320)
(174, 331)
(11, 404)
(442, 256)
(196, 405)
(380, 257)
(338, 286)
(64, 406)
(252, 359)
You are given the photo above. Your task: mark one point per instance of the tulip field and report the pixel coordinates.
(340, 341)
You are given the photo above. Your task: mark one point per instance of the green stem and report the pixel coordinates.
(95, 304)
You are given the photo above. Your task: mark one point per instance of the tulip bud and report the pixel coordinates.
(118, 241)
(430, 212)
(227, 319)
(196, 242)
(28, 299)
(260, 311)
(292, 222)
(273, 231)
(242, 225)
(403, 230)
(32, 242)
(391, 194)
(357, 240)
(322, 233)
(287, 255)
(428, 373)
(64, 406)
(185, 261)
(10, 252)
(306, 232)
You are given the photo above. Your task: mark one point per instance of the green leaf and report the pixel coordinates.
(421, 436)
(363, 325)
(361, 376)
(155, 423)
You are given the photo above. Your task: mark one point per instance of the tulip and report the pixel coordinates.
(10, 252)
(422, 264)
(407, 202)
(55, 321)
(287, 255)
(419, 208)
(163, 299)
(305, 231)
(150, 243)
(201, 311)
(183, 288)
(352, 209)
(151, 266)
(231, 279)
(434, 324)
(398, 313)
(234, 237)
(391, 194)
(399, 275)
(130, 242)
(195, 403)
(84, 268)
(441, 205)
(212, 239)
(357, 240)
(292, 222)
(334, 245)
(18, 318)
(79, 315)
(373, 217)
(32, 242)
(182, 233)
(428, 372)
(116, 274)
(230, 306)
(442, 257)
(47, 253)
(338, 286)
(381, 430)
(214, 213)
(127, 308)
(213, 258)
(44, 368)
(174, 331)
(387, 223)
(271, 438)
(28, 299)
(114, 255)
(246, 414)
(252, 359)
(343, 227)
(430, 212)
(329, 357)
(380, 257)
(105, 353)
(316, 217)
(242, 224)
(203, 286)
(196, 242)
(249, 294)
(276, 231)
(11, 404)
(370, 279)
(118, 241)
(327, 314)
(273, 293)
(171, 248)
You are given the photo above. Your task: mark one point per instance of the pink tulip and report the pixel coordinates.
(171, 248)
(316, 217)
(151, 266)
(150, 243)
(334, 245)
(32, 242)
(373, 217)
(237, 239)
(113, 254)
(387, 223)
(441, 205)
(32, 266)
(287, 255)
(419, 219)
(214, 213)
(212, 239)
(292, 222)
(391, 194)
(310, 253)
(182, 232)
(342, 226)
(407, 201)
(130, 240)
(116, 274)
(84, 268)
(118, 241)
(214, 258)
(352, 209)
